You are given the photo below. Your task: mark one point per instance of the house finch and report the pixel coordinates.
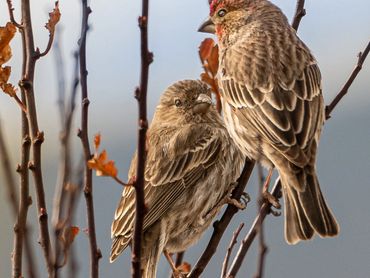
(273, 106)
(192, 165)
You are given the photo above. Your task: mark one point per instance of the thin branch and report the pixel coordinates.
(230, 249)
(247, 241)
(65, 162)
(221, 225)
(179, 258)
(300, 12)
(11, 14)
(361, 59)
(262, 248)
(54, 17)
(37, 136)
(48, 47)
(140, 94)
(95, 253)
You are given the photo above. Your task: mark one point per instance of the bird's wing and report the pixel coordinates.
(171, 167)
(279, 97)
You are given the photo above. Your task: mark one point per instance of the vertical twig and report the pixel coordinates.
(262, 248)
(140, 94)
(21, 234)
(37, 137)
(230, 249)
(95, 253)
(247, 241)
(300, 12)
(60, 219)
(220, 226)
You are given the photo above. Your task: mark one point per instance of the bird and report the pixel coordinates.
(192, 165)
(273, 105)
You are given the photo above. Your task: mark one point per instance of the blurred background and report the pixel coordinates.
(334, 30)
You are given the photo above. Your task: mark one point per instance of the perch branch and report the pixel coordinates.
(230, 249)
(247, 241)
(262, 248)
(220, 226)
(95, 253)
(361, 59)
(140, 94)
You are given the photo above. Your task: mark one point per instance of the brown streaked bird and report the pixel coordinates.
(191, 168)
(273, 105)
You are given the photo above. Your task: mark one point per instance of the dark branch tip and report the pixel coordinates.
(150, 57)
(39, 138)
(85, 102)
(143, 123)
(137, 93)
(99, 254)
(25, 84)
(42, 212)
(29, 201)
(18, 169)
(31, 165)
(143, 21)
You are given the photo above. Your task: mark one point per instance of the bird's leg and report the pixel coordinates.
(266, 195)
(175, 271)
(227, 199)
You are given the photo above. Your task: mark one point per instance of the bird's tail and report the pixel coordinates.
(306, 211)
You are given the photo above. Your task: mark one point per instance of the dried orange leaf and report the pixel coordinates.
(6, 35)
(73, 233)
(205, 49)
(102, 165)
(97, 140)
(54, 18)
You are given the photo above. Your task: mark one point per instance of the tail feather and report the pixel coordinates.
(306, 211)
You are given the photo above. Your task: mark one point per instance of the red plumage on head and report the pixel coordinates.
(213, 6)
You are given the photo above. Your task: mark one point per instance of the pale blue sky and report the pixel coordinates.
(334, 30)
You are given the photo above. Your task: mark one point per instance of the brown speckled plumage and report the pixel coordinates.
(191, 164)
(273, 105)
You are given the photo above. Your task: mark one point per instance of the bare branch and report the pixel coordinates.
(54, 17)
(95, 253)
(262, 248)
(11, 14)
(140, 94)
(37, 136)
(361, 59)
(64, 189)
(230, 249)
(221, 225)
(300, 12)
(247, 241)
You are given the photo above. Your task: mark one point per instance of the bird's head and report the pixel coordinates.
(185, 102)
(227, 16)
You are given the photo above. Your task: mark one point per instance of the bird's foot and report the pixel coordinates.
(271, 199)
(177, 272)
(242, 204)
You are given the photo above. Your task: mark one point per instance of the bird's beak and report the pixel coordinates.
(207, 26)
(202, 104)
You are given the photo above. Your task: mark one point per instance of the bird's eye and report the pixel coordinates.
(177, 102)
(221, 13)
